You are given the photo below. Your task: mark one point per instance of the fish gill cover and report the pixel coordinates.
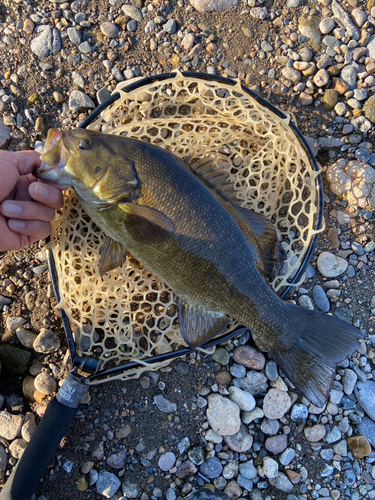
(129, 314)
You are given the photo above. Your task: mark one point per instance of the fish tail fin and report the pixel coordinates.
(317, 343)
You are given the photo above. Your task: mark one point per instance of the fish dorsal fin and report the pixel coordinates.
(146, 224)
(112, 255)
(214, 176)
(198, 325)
(266, 238)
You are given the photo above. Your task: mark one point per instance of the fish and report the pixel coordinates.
(182, 221)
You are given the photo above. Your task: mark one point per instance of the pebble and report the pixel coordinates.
(74, 36)
(110, 30)
(164, 405)
(133, 12)
(282, 483)
(276, 444)
(14, 322)
(321, 299)
(45, 383)
(287, 456)
(28, 427)
(223, 415)
(107, 484)
(221, 356)
(240, 442)
(291, 74)
(344, 18)
(167, 461)
(359, 446)
(315, 433)
(48, 43)
(211, 468)
(123, 431)
(243, 399)
(79, 101)
(276, 403)
(10, 425)
(365, 393)
(117, 460)
(29, 390)
(326, 25)
(46, 342)
(321, 78)
(330, 266)
(249, 357)
(17, 447)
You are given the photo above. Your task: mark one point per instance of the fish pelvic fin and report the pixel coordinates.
(112, 255)
(198, 325)
(317, 343)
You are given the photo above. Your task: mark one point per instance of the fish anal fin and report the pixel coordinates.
(266, 239)
(112, 255)
(145, 224)
(198, 325)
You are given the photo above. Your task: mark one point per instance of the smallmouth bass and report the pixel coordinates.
(182, 222)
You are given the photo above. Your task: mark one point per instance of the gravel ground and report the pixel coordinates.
(229, 421)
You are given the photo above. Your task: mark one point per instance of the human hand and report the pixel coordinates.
(27, 206)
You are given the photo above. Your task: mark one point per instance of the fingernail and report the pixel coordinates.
(11, 208)
(41, 191)
(16, 224)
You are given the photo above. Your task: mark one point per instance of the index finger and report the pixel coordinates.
(24, 161)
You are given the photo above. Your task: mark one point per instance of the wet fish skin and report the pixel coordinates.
(194, 240)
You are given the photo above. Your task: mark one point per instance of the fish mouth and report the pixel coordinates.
(54, 159)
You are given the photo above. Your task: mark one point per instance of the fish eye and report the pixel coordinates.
(84, 144)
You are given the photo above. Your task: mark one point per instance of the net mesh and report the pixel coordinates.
(129, 314)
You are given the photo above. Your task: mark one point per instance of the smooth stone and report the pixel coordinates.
(349, 75)
(212, 437)
(10, 425)
(197, 454)
(110, 30)
(276, 403)
(207, 494)
(326, 25)
(291, 74)
(341, 448)
(28, 427)
(211, 468)
(117, 460)
(321, 299)
(248, 470)
(369, 108)
(270, 427)
(282, 483)
(4, 134)
(17, 447)
(243, 399)
(287, 456)
(164, 405)
(249, 357)
(365, 393)
(248, 416)
(47, 341)
(123, 432)
(45, 383)
(359, 446)
(321, 78)
(330, 266)
(107, 484)
(270, 468)
(341, 14)
(315, 433)
(14, 322)
(333, 436)
(330, 99)
(133, 12)
(221, 356)
(167, 461)
(241, 442)
(29, 390)
(170, 26)
(74, 35)
(78, 101)
(349, 380)
(223, 415)
(85, 48)
(224, 377)
(276, 444)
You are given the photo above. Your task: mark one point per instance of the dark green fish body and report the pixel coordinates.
(177, 223)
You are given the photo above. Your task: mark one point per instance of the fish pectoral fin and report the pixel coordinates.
(146, 224)
(113, 254)
(198, 325)
(266, 241)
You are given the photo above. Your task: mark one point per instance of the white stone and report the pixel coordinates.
(330, 265)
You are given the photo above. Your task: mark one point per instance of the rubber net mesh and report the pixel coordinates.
(128, 314)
